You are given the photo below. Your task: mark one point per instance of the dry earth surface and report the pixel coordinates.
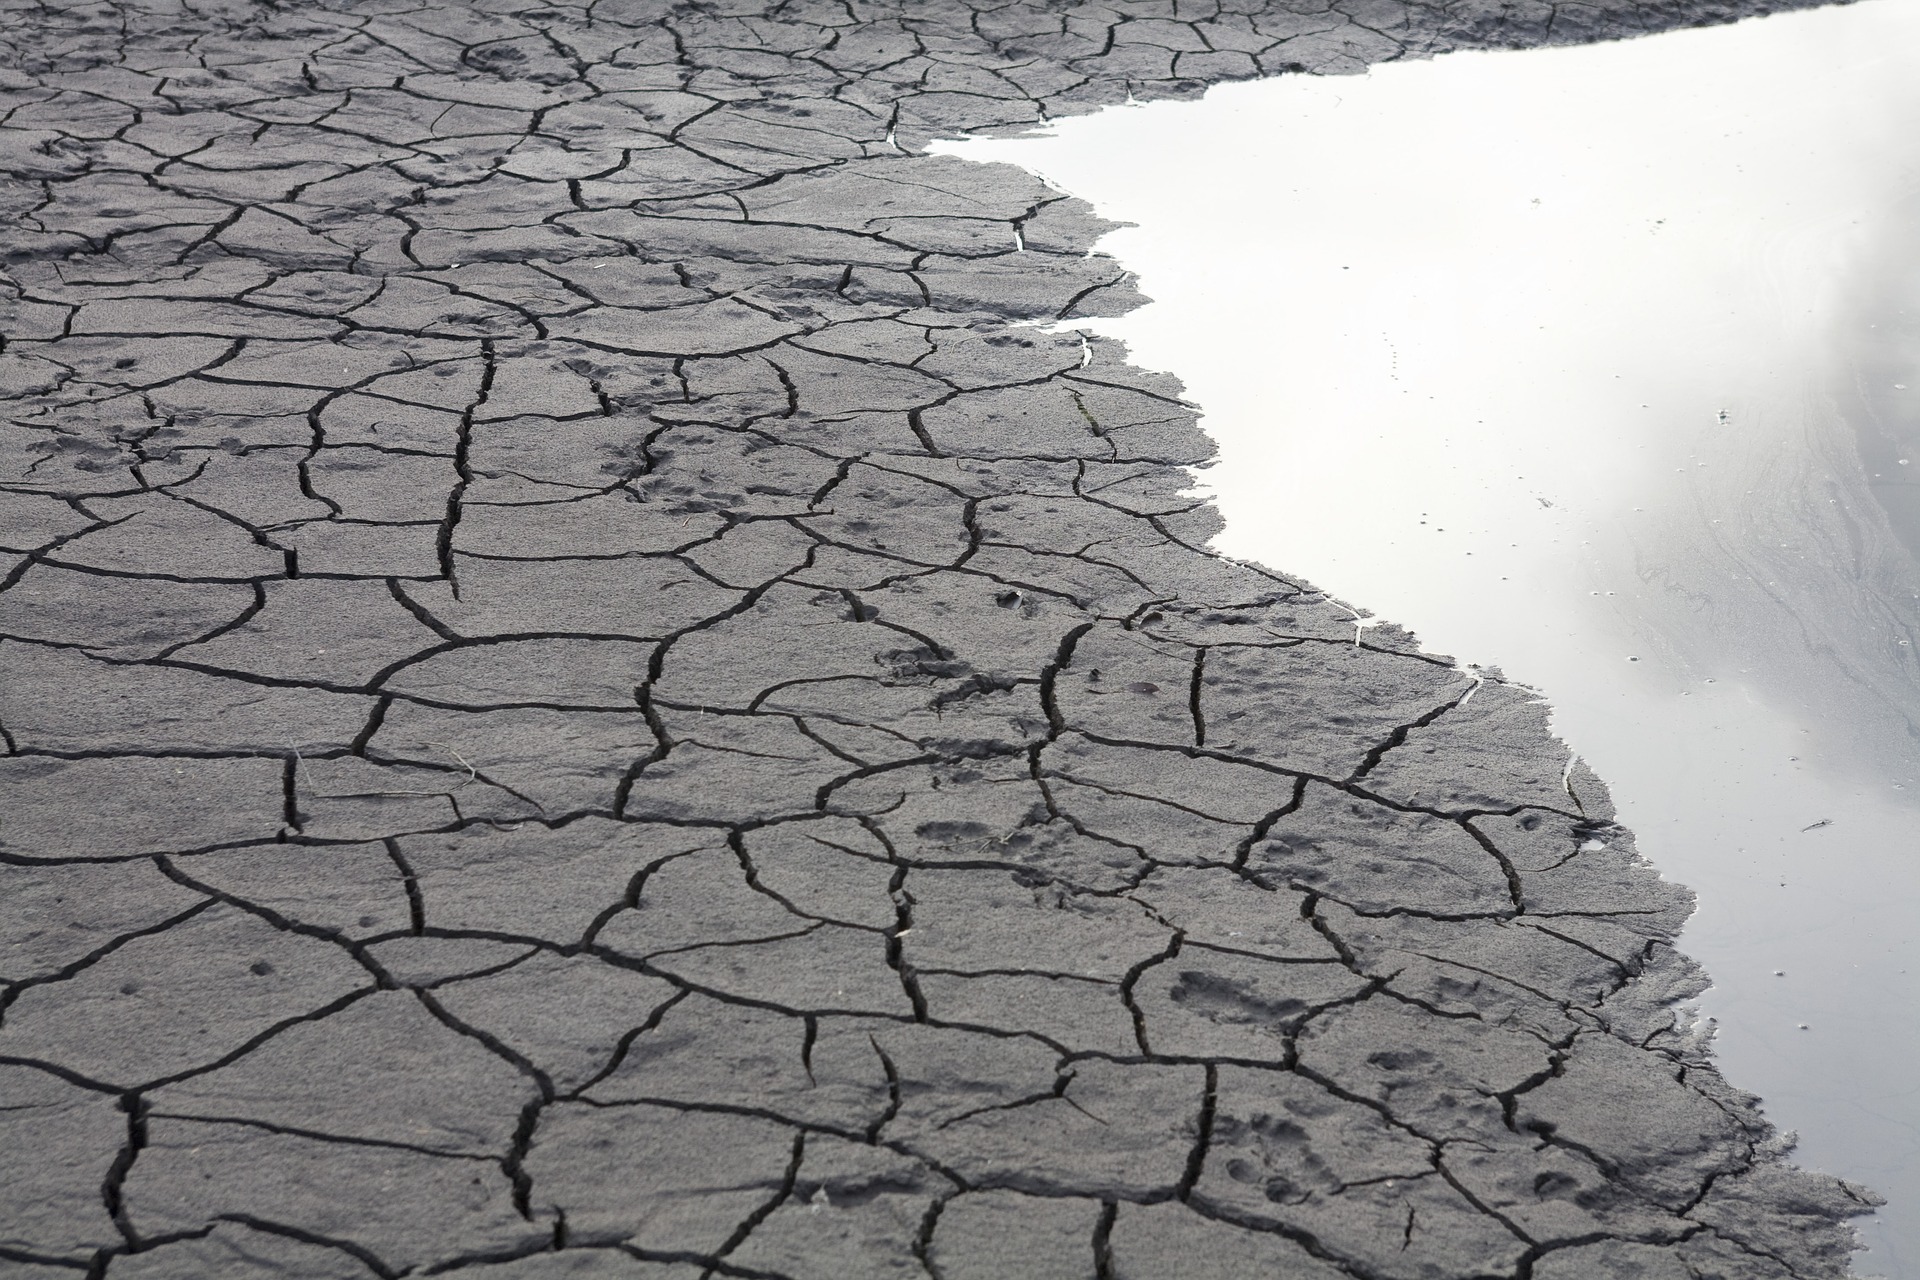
(583, 695)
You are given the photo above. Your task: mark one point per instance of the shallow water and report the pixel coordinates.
(1602, 366)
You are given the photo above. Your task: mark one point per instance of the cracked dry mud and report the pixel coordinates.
(584, 697)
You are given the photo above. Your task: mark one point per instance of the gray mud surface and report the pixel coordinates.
(582, 698)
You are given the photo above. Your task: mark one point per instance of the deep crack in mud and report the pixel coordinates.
(583, 696)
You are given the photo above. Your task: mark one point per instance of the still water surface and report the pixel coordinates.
(1602, 366)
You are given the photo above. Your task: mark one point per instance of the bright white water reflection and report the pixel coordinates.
(1602, 365)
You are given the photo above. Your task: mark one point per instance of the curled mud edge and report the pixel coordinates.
(581, 699)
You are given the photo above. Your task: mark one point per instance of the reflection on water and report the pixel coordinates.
(1602, 365)
(1882, 355)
